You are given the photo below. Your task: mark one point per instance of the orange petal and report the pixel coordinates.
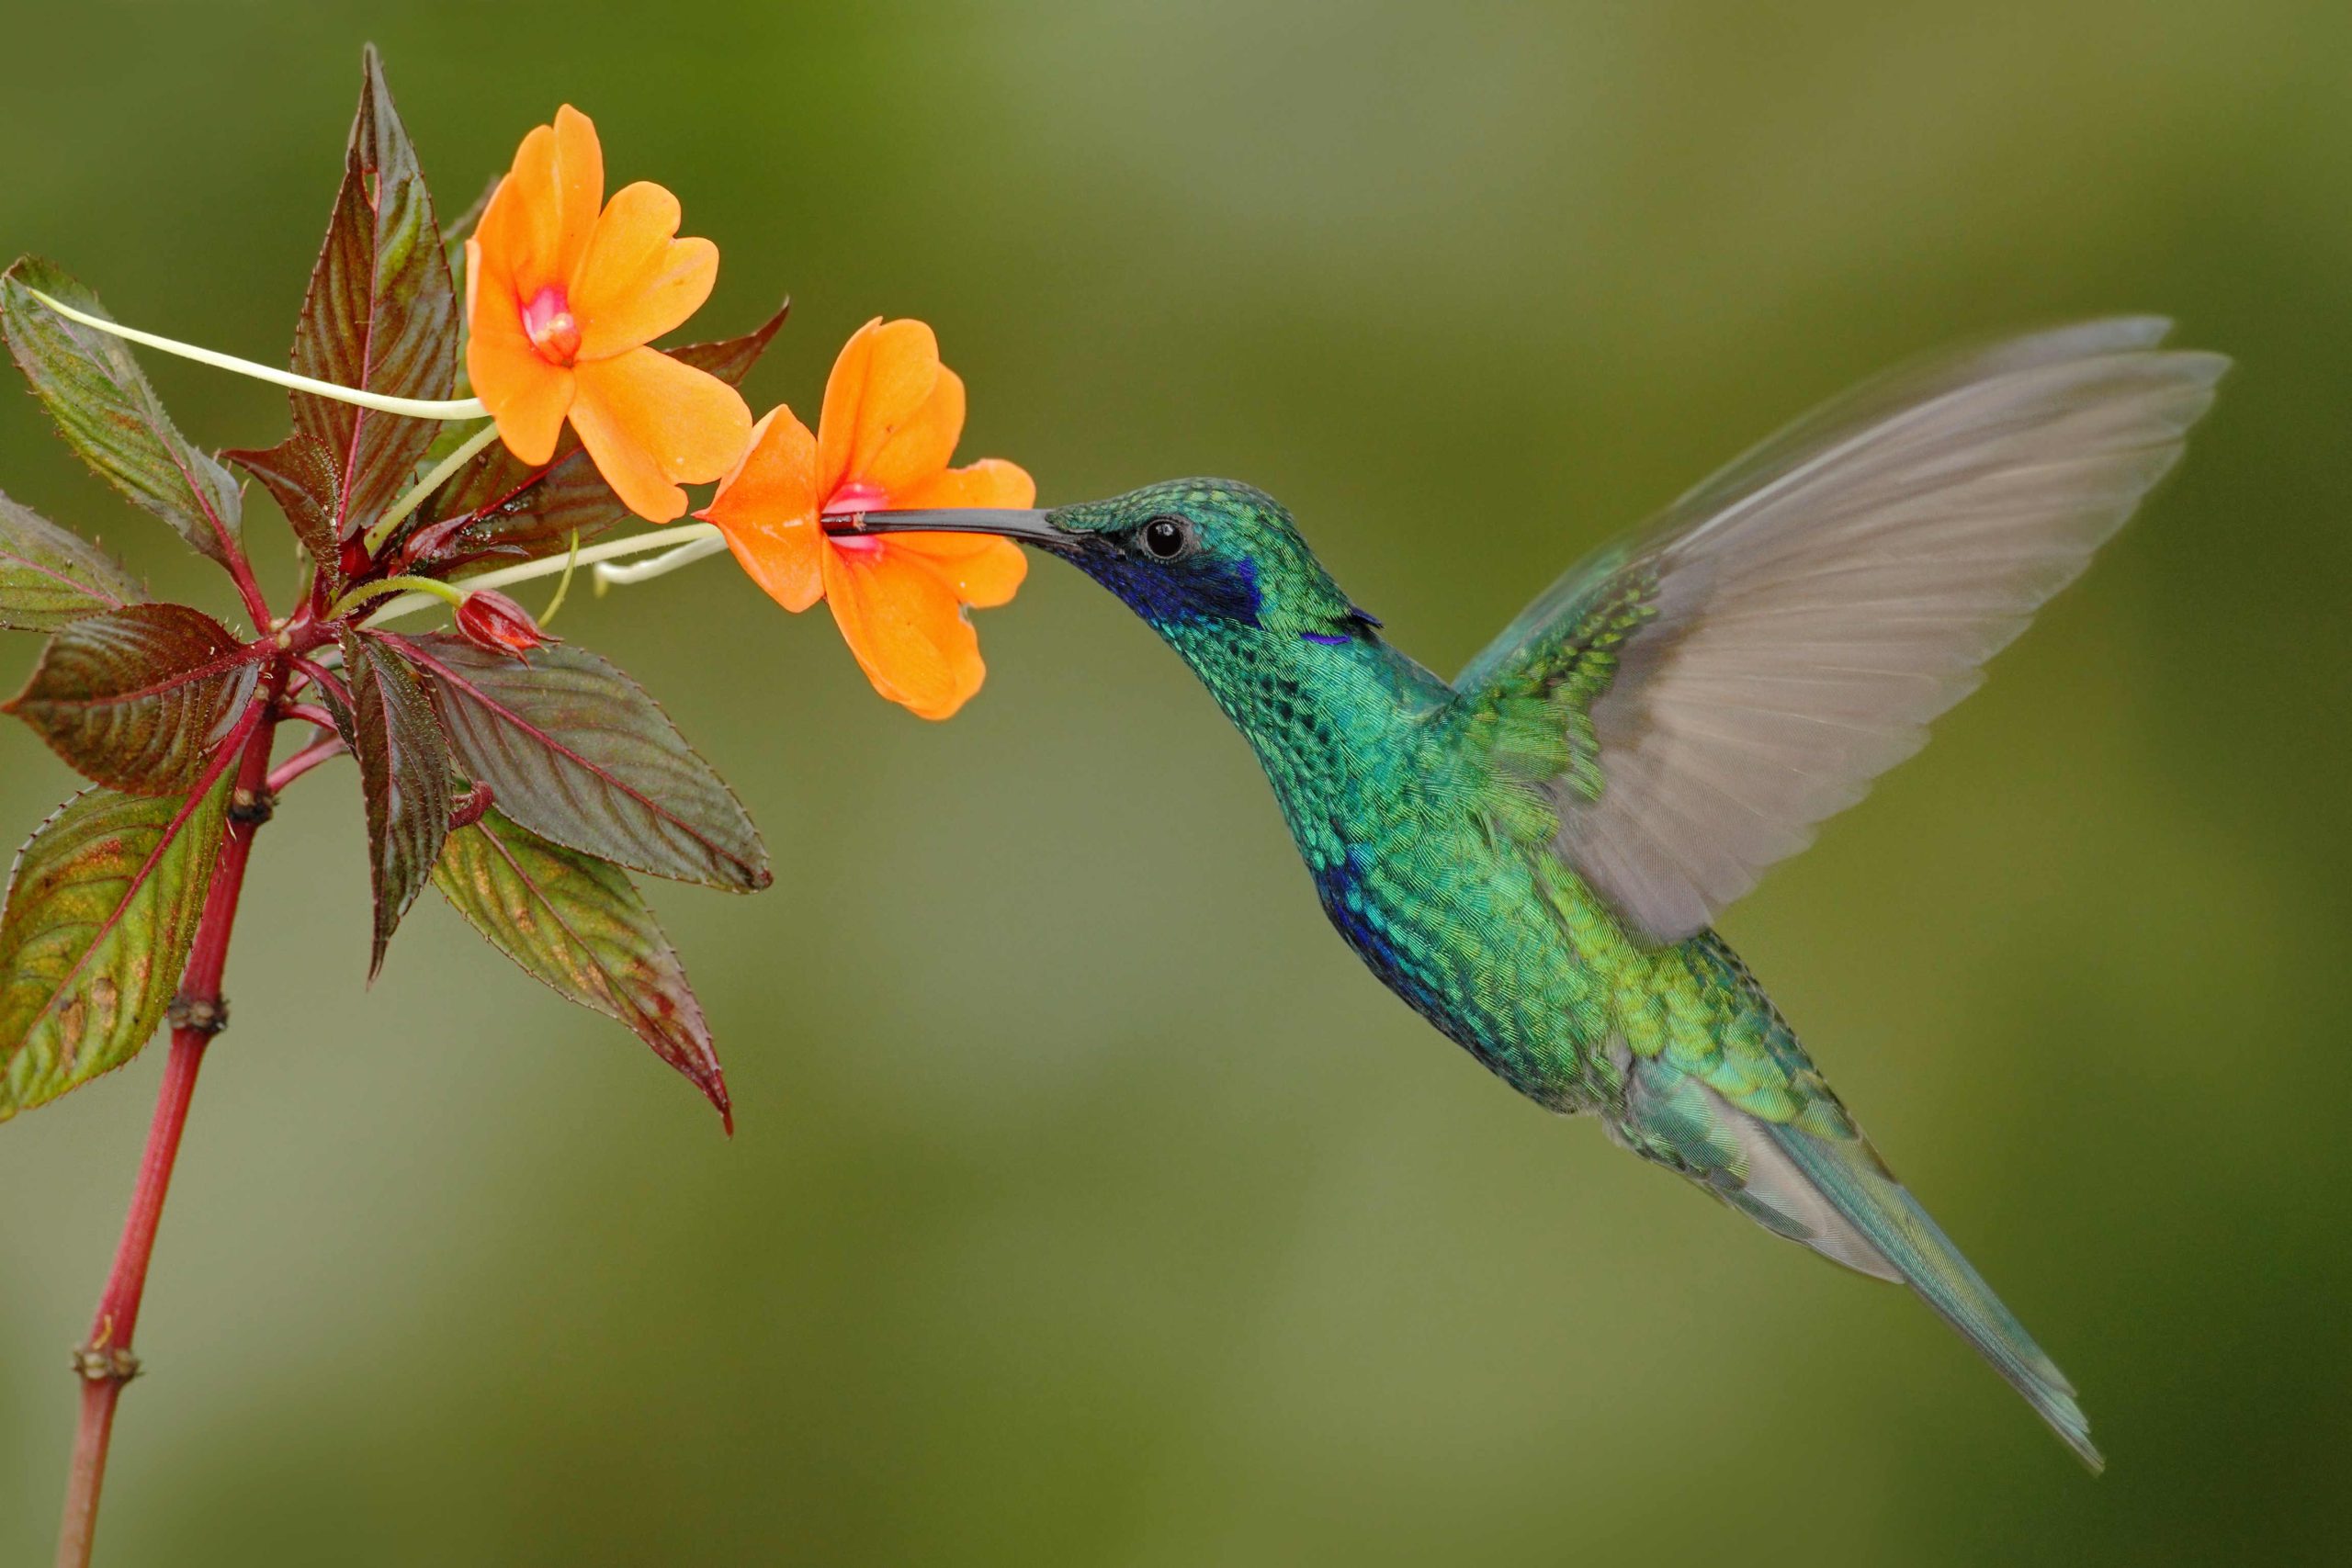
(992, 482)
(767, 509)
(526, 395)
(904, 627)
(539, 218)
(884, 378)
(648, 421)
(981, 570)
(636, 280)
(922, 446)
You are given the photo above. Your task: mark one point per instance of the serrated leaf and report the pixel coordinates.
(578, 925)
(403, 779)
(575, 751)
(301, 475)
(49, 576)
(525, 516)
(137, 698)
(108, 413)
(381, 315)
(101, 911)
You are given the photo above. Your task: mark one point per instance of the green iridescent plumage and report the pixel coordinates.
(1532, 855)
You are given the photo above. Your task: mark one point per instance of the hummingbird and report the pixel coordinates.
(1533, 854)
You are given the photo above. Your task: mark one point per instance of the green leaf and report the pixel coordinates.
(525, 516)
(403, 779)
(137, 698)
(575, 751)
(381, 315)
(301, 474)
(108, 413)
(48, 577)
(577, 924)
(101, 911)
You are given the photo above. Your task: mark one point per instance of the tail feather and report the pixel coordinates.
(1903, 1234)
(1834, 1195)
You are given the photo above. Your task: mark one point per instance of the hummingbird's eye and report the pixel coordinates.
(1166, 538)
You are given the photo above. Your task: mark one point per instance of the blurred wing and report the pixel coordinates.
(1745, 667)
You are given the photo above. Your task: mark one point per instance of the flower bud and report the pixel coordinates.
(491, 620)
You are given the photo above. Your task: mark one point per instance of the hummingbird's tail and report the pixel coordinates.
(1834, 1194)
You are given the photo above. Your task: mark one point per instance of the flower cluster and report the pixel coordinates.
(564, 293)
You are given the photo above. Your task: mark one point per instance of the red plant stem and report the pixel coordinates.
(307, 713)
(241, 571)
(302, 761)
(105, 1362)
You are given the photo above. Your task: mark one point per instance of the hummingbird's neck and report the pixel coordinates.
(1329, 721)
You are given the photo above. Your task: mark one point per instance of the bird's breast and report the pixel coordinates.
(1465, 934)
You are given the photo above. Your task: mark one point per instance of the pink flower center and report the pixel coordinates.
(857, 496)
(547, 323)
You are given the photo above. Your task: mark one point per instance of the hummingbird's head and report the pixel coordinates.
(1201, 559)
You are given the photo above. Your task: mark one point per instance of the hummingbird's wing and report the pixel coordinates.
(1695, 698)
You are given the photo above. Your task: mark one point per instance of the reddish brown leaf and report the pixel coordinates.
(577, 752)
(380, 315)
(730, 359)
(137, 698)
(301, 476)
(576, 924)
(403, 779)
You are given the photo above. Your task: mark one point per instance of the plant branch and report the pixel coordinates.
(241, 571)
(384, 587)
(105, 1362)
(302, 761)
(304, 713)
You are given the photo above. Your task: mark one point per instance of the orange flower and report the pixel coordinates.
(891, 419)
(561, 299)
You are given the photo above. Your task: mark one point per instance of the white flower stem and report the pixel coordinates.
(412, 407)
(674, 540)
(686, 554)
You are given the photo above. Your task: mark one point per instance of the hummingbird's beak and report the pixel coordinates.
(1028, 527)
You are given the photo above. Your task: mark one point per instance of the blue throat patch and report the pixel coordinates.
(1166, 595)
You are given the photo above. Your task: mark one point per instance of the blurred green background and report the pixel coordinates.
(1090, 1204)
